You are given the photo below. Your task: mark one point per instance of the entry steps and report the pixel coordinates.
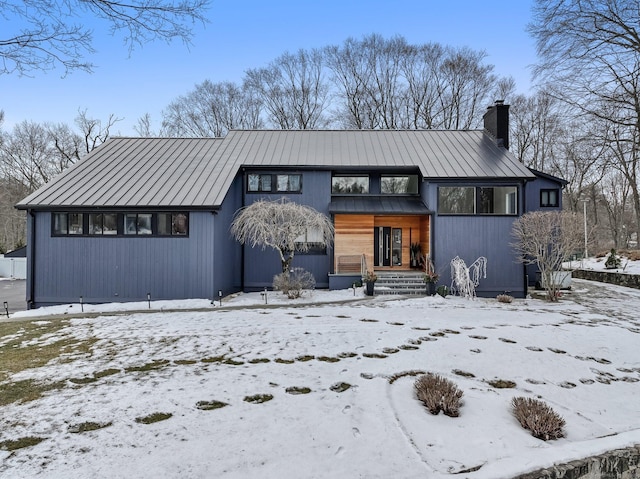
(401, 282)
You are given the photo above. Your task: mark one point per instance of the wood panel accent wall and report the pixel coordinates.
(354, 235)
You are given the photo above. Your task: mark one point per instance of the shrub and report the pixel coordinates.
(538, 417)
(293, 283)
(504, 298)
(438, 394)
(613, 260)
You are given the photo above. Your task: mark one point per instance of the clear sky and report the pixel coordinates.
(249, 34)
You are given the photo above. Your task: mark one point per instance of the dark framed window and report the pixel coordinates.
(138, 224)
(103, 223)
(350, 185)
(289, 183)
(173, 224)
(120, 224)
(312, 242)
(258, 183)
(399, 184)
(549, 198)
(68, 224)
(456, 200)
(471, 200)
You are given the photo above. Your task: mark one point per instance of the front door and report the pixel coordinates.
(387, 246)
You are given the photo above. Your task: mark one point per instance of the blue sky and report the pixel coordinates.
(249, 34)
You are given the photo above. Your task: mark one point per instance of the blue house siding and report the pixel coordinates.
(260, 266)
(473, 236)
(227, 252)
(105, 269)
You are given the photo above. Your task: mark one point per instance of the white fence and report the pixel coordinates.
(15, 268)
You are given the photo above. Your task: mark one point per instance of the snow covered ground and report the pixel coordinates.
(580, 355)
(598, 264)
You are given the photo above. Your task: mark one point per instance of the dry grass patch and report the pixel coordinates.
(502, 383)
(210, 405)
(87, 426)
(538, 417)
(258, 398)
(26, 390)
(154, 417)
(438, 394)
(27, 441)
(298, 390)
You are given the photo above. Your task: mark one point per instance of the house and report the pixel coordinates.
(143, 216)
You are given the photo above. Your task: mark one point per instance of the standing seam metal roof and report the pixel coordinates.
(198, 172)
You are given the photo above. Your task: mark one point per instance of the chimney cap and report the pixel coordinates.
(499, 102)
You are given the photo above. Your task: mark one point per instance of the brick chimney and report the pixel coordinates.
(496, 122)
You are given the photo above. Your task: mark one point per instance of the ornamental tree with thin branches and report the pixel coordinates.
(546, 239)
(283, 226)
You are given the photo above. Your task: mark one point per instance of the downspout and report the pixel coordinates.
(243, 201)
(32, 260)
(524, 265)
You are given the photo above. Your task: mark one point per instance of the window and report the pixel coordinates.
(289, 183)
(456, 200)
(549, 198)
(268, 183)
(469, 200)
(258, 182)
(137, 224)
(498, 200)
(120, 224)
(68, 224)
(350, 185)
(407, 184)
(103, 224)
(311, 241)
(172, 224)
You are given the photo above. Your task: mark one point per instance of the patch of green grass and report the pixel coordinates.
(106, 372)
(210, 405)
(83, 380)
(87, 426)
(232, 362)
(502, 383)
(258, 398)
(328, 359)
(298, 390)
(154, 417)
(259, 360)
(26, 390)
(27, 441)
(213, 359)
(152, 366)
(32, 344)
(347, 355)
(340, 387)
(305, 358)
(184, 362)
(374, 355)
(283, 361)
(414, 372)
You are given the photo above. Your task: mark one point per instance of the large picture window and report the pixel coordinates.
(358, 185)
(470, 200)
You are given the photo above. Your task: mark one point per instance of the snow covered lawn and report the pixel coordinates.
(359, 416)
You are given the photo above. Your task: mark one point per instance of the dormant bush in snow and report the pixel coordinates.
(538, 417)
(438, 394)
(504, 298)
(292, 284)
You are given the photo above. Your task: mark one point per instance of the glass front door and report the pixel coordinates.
(387, 246)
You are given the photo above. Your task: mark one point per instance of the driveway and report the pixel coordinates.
(14, 292)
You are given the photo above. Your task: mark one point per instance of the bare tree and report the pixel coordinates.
(589, 55)
(94, 131)
(211, 110)
(46, 34)
(281, 225)
(546, 239)
(293, 90)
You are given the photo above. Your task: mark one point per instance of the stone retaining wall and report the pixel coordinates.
(618, 464)
(613, 277)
